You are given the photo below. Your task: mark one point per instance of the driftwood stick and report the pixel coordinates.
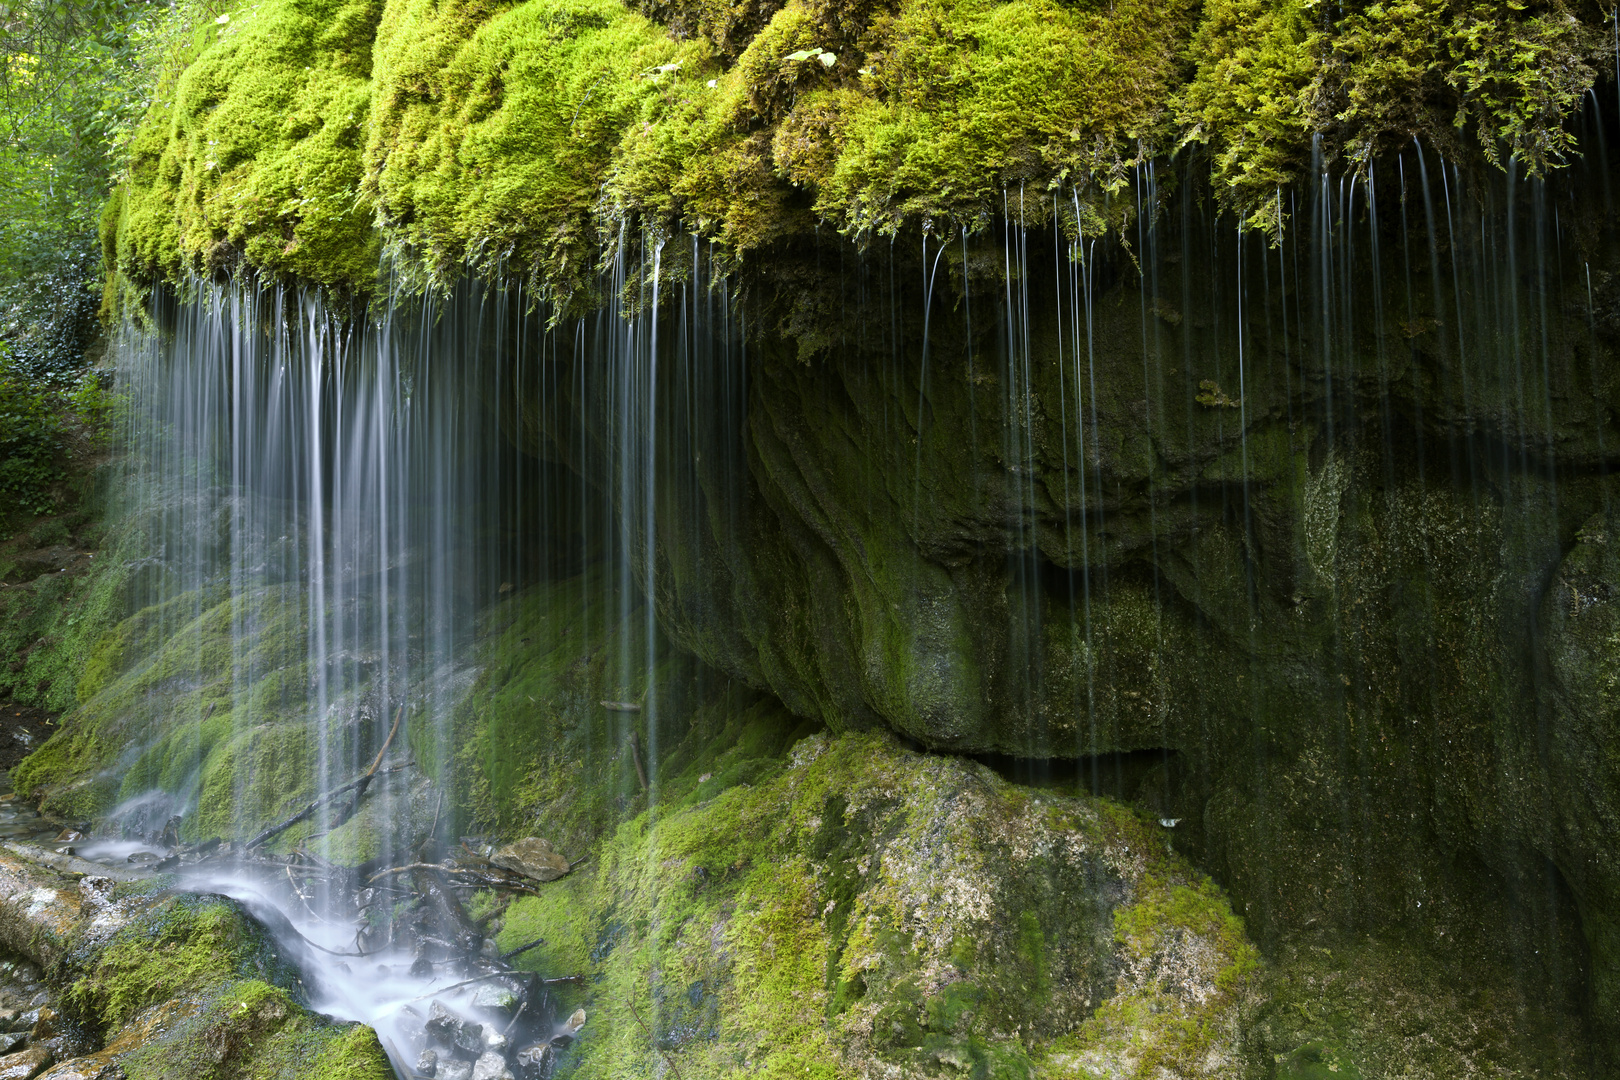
(365, 781)
(304, 814)
(635, 756)
(401, 869)
(676, 1069)
(521, 949)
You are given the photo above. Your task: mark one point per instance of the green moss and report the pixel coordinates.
(55, 627)
(531, 137)
(177, 947)
(254, 152)
(255, 1031)
(174, 701)
(863, 908)
(354, 1055)
(563, 917)
(1473, 77)
(1348, 1005)
(496, 126)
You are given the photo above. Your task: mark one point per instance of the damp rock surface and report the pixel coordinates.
(533, 857)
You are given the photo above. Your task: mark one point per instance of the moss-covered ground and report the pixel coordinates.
(184, 985)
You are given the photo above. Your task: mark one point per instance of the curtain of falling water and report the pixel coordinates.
(375, 479)
(391, 476)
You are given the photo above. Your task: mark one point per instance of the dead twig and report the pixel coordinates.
(304, 814)
(506, 957)
(635, 756)
(512, 1023)
(365, 781)
(407, 866)
(654, 1042)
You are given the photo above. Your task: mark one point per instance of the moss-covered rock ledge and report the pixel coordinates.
(166, 984)
(303, 137)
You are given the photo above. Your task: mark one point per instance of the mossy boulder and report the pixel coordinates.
(868, 908)
(180, 984)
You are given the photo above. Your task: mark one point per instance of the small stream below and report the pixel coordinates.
(401, 958)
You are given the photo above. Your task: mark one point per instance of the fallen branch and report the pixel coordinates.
(506, 957)
(635, 756)
(365, 781)
(401, 869)
(652, 1041)
(459, 985)
(304, 814)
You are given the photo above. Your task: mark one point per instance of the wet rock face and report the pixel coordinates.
(532, 857)
(1317, 581)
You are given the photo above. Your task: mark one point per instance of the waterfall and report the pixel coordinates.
(1226, 525)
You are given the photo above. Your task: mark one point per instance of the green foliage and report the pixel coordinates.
(72, 83)
(32, 444)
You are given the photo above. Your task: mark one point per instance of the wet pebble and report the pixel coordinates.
(491, 1066)
(25, 1063)
(427, 1063)
(496, 999)
(470, 1039)
(443, 1024)
(454, 1070)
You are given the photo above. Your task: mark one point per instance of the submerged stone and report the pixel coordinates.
(495, 999)
(491, 1066)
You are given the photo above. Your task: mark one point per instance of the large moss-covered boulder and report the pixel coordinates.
(869, 909)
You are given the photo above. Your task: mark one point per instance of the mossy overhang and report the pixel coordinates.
(307, 139)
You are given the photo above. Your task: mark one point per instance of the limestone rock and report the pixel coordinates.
(495, 999)
(25, 1064)
(531, 857)
(491, 1066)
(455, 1070)
(442, 1024)
(91, 1067)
